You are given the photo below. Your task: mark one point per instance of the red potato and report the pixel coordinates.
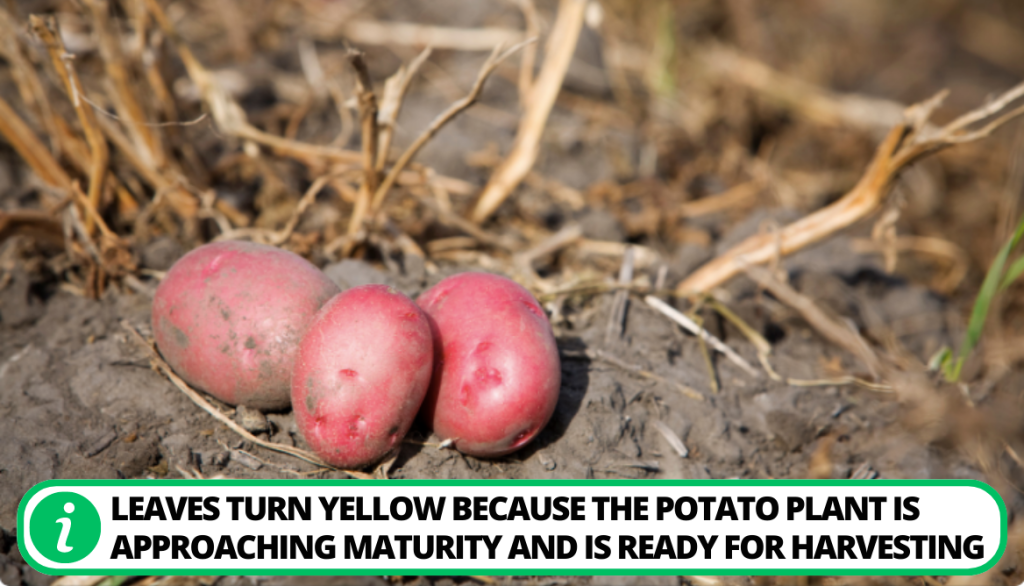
(496, 366)
(229, 317)
(362, 373)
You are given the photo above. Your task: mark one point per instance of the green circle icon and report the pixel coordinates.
(65, 527)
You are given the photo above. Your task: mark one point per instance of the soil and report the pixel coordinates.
(79, 398)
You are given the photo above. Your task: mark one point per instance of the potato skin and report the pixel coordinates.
(229, 317)
(362, 373)
(496, 367)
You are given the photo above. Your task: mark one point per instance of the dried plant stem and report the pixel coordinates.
(620, 302)
(814, 102)
(31, 149)
(376, 32)
(391, 104)
(279, 237)
(453, 220)
(40, 226)
(606, 357)
(229, 115)
(950, 253)
(523, 261)
(46, 29)
(839, 382)
(205, 405)
(832, 329)
(367, 118)
(368, 122)
(529, 60)
(558, 54)
(864, 198)
(905, 143)
(692, 327)
(734, 198)
(25, 74)
(123, 95)
(307, 200)
(496, 57)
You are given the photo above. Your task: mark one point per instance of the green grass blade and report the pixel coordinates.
(1013, 273)
(989, 287)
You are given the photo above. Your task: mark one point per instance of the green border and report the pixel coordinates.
(516, 571)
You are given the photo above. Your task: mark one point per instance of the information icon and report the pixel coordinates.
(65, 527)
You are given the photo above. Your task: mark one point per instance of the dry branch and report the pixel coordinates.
(391, 104)
(368, 123)
(692, 327)
(906, 142)
(731, 199)
(814, 102)
(376, 32)
(367, 117)
(620, 302)
(123, 96)
(496, 57)
(529, 60)
(46, 29)
(558, 54)
(229, 115)
(835, 331)
(31, 149)
(25, 73)
(279, 237)
(37, 225)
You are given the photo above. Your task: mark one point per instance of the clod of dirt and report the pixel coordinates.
(252, 420)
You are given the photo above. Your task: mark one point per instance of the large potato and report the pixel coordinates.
(363, 370)
(229, 317)
(496, 366)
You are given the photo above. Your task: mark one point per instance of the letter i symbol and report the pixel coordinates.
(49, 527)
(65, 528)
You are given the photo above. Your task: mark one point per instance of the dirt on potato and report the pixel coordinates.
(658, 114)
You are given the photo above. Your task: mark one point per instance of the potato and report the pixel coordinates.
(362, 373)
(496, 366)
(229, 317)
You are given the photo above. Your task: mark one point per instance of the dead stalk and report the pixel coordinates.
(558, 54)
(377, 32)
(368, 121)
(123, 96)
(391, 104)
(229, 115)
(692, 327)
(905, 143)
(367, 117)
(818, 104)
(496, 57)
(529, 60)
(620, 302)
(31, 149)
(837, 332)
(46, 29)
(25, 74)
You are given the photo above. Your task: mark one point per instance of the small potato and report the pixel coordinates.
(362, 373)
(496, 366)
(229, 317)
